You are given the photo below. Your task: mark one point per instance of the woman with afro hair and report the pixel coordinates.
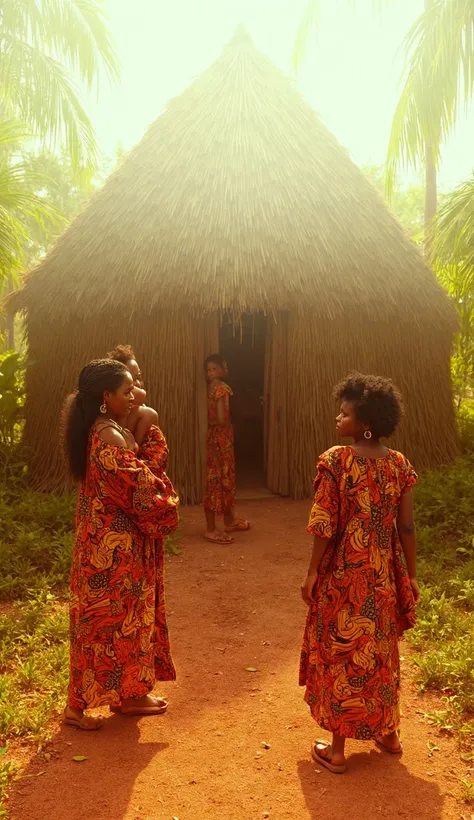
(360, 595)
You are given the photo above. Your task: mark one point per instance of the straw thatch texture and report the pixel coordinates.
(322, 353)
(171, 355)
(239, 199)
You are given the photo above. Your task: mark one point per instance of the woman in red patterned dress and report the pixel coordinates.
(360, 596)
(119, 640)
(219, 498)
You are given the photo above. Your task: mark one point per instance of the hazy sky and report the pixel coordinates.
(351, 75)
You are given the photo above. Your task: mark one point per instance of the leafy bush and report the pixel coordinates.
(465, 417)
(12, 397)
(444, 635)
(36, 539)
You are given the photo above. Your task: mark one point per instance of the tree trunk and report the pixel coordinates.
(431, 197)
(431, 193)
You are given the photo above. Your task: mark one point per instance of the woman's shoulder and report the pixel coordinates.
(403, 466)
(220, 390)
(399, 459)
(334, 458)
(148, 414)
(335, 454)
(108, 434)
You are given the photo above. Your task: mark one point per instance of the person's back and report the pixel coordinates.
(360, 595)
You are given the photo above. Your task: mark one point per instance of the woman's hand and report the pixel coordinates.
(308, 589)
(415, 589)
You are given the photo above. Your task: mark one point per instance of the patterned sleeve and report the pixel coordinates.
(409, 477)
(221, 391)
(323, 519)
(154, 452)
(142, 496)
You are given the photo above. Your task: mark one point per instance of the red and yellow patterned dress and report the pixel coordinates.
(350, 660)
(220, 486)
(119, 640)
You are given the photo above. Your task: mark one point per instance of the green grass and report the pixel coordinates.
(443, 638)
(36, 538)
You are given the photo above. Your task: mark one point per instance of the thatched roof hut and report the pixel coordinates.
(238, 202)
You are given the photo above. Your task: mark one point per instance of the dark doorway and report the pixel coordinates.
(243, 347)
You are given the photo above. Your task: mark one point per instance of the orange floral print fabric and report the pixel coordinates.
(119, 641)
(350, 661)
(220, 486)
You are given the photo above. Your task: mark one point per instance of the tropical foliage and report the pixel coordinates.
(45, 46)
(452, 240)
(439, 76)
(20, 200)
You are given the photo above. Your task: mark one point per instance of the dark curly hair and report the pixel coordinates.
(122, 353)
(83, 407)
(377, 402)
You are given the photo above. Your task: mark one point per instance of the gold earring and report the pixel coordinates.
(103, 408)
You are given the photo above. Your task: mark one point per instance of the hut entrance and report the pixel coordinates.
(243, 347)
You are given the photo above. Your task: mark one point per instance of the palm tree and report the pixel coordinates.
(20, 204)
(439, 73)
(452, 244)
(43, 45)
(439, 76)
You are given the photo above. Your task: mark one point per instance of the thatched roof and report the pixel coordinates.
(236, 198)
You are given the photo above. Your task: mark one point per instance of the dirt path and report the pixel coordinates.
(231, 608)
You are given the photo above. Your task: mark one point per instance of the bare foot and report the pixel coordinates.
(149, 705)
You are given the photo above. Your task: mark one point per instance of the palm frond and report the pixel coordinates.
(307, 25)
(20, 198)
(440, 61)
(43, 44)
(46, 99)
(75, 32)
(310, 20)
(452, 234)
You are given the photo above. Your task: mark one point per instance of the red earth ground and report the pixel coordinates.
(232, 608)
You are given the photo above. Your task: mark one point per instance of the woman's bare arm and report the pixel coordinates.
(307, 588)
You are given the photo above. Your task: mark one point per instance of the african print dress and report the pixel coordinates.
(119, 640)
(220, 486)
(350, 660)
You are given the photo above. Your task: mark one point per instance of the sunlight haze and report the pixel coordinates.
(351, 75)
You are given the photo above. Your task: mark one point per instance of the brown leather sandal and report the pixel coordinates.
(86, 723)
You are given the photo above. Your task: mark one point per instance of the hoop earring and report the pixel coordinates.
(368, 435)
(103, 408)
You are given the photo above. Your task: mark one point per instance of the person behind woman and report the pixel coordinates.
(119, 642)
(219, 498)
(140, 418)
(360, 596)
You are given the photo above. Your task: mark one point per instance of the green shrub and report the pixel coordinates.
(444, 635)
(465, 419)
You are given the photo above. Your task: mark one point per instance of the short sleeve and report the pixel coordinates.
(221, 391)
(131, 486)
(324, 515)
(409, 477)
